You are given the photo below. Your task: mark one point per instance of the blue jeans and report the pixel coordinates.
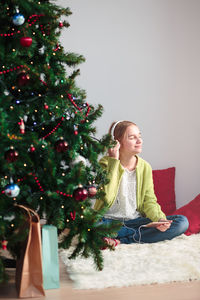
(132, 232)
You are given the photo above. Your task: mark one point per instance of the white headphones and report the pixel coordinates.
(113, 128)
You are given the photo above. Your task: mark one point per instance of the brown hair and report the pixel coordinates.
(120, 129)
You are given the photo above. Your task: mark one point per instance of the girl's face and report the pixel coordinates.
(131, 143)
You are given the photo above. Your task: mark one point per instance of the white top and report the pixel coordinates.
(124, 206)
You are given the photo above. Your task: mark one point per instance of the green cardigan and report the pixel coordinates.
(146, 200)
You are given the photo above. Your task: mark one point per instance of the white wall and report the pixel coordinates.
(143, 64)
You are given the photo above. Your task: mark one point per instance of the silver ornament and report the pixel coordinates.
(12, 190)
(18, 19)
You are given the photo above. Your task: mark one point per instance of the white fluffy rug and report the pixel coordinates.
(175, 260)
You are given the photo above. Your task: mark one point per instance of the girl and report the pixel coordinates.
(130, 195)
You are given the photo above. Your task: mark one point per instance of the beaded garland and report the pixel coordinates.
(36, 18)
(14, 69)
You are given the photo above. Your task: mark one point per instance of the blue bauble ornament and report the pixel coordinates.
(18, 19)
(12, 190)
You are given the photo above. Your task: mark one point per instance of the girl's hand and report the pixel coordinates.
(114, 152)
(165, 226)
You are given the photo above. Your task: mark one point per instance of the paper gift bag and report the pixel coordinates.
(29, 281)
(50, 261)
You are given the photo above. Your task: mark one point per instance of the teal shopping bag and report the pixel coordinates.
(50, 261)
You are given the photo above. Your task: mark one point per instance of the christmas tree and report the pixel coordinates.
(49, 155)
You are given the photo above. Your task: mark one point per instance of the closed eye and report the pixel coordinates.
(131, 137)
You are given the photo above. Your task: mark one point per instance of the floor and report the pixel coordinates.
(173, 291)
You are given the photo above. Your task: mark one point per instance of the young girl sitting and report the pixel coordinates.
(130, 192)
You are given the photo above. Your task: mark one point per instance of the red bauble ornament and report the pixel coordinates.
(80, 194)
(23, 79)
(61, 24)
(4, 244)
(26, 41)
(46, 106)
(11, 155)
(32, 149)
(61, 146)
(92, 191)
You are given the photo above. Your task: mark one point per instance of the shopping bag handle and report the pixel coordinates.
(29, 211)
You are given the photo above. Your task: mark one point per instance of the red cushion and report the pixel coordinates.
(164, 187)
(192, 212)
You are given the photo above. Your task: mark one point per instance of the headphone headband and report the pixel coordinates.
(113, 128)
